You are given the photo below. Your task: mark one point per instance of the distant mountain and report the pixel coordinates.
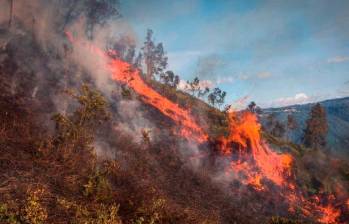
(337, 116)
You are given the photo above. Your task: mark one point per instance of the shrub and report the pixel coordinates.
(6, 216)
(34, 212)
(77, 130)
(99, 187)
(103, 214)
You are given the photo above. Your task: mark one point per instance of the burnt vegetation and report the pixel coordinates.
(64, 159)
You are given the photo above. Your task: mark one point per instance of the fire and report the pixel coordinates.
(122, 72)
(250, 157)
(330, 215)
(254, 161)
(244, 130)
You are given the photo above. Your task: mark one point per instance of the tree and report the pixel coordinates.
(274, 127)
(216, 97)
(170, 79)
(125, 48)
(193, 86)
(291, 124)
(154, 56)
(97, 12)
(78, 129)
(204, 92)
(11, 12)
(316, 128)
(252, 107)
(271, 119)
(278, 129)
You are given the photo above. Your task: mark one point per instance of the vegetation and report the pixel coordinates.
(316, 128)
(274, 126)
(154, 56)
(86, 166)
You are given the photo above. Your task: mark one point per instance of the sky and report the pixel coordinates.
(275, 53)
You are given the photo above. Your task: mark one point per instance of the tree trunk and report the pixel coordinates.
(11, 11)
(149, 74)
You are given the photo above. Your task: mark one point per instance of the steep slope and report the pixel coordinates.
(144, 160)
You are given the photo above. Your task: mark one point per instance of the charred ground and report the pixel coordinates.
(60, 167)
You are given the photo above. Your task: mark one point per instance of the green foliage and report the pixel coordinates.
(77, 130)
(154, 56)
(169, 79)
(216, 97)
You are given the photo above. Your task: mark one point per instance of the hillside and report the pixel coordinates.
(86, 137)
(338, 120)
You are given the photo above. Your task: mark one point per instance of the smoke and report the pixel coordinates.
(133, 121)
(38, 37)
(209, 67)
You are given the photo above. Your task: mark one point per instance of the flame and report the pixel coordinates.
(330, 215)
(254, 161)
(260, 161)
(251, 158)
(122, 72)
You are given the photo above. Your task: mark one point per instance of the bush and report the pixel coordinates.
(99, 187)
(6, 216)
(103, 214)
(34, 212)
(77, 130)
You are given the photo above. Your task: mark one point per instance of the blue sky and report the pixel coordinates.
(273, 52)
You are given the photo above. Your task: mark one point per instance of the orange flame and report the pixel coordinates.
(122, 72)
(245, 131)
(256, 162)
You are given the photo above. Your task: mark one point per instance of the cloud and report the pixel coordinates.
(226, 80)
(299, 98)
(264, 75)
(206, 84)
(338, 59)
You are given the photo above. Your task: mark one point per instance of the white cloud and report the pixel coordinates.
(338, 59)
(206, 83)
(228, 79)
(299, 98)
(264, 75)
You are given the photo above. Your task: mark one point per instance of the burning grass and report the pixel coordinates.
(56, 177)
